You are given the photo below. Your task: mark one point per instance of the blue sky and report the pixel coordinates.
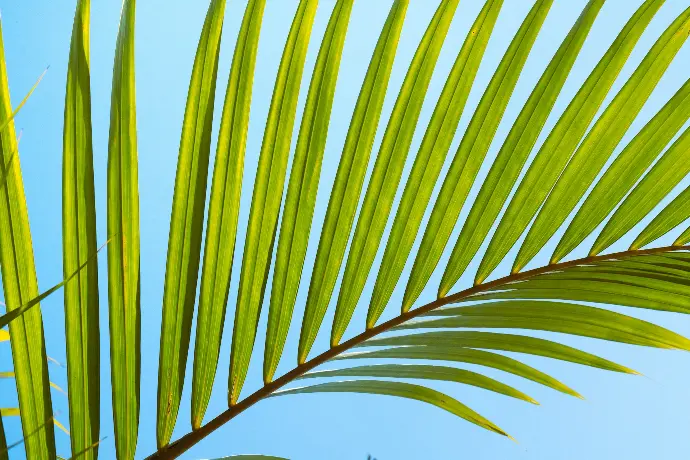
(622, 417)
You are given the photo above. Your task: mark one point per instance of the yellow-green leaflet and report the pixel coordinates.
(562, 141)
(418, 371)
(677, 212)
(19, 286)
(515, 150)
(671, 168)
(430, 158)
(123, 251)
(602, 139)
(561, 317)
(470, 155)
(4, 335)
(186, 223)
(625, 171)
(683, 239)
(445, 352)
(349, 179)
(303, 185)
(388, 168)
(401, 390)
(503, 342)
(82, 331)
(270, 179)
(224, 205)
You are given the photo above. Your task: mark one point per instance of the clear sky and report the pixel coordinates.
(622, 417)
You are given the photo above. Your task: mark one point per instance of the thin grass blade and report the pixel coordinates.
(269, 184)
(388, 168)
(349, 179)
(186, 222)
(224, 206)
(430, 158)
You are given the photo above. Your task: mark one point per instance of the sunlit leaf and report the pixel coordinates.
(20, 286)
(223, 212)
(304, 183)
(402, 390)
(268, 191)
(123, 251)
(388, 168)
(349, 179)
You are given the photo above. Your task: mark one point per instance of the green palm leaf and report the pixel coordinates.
(472, 151)
(349, 179)
(674, 214)
(82, 332)
(459, 354)
(304, 183)
(123, 252)
(562, 141)
(19, 286)
(503, 342)
(625, 171)
(430, 158)
(517, 146)
(223, 211)
(424, 372)
(186, 223)
(401, 390)
(389, 166)
(263, 217)
(561, 317)
(602, 139)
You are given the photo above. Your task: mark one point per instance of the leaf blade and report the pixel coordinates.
(20, 284)
(186, 222)
(471, 153)
(562, 141)
(124, 308)
(600, 142)
(263, 217)
(223, 213)
(388, 168)
(403, 390)
(303, 185)
(430, 158)
(413, 371)
(349, 179)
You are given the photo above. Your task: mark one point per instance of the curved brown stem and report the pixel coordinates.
(183, 444)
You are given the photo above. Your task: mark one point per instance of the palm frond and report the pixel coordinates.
(579, 180)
